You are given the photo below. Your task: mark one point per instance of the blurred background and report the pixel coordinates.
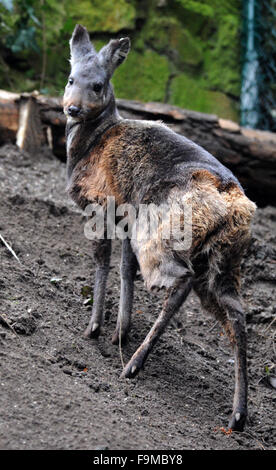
(213, 56)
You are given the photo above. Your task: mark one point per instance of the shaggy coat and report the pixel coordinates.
(145, 163)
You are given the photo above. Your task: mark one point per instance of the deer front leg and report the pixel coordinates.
(128, 271)
(102, 257)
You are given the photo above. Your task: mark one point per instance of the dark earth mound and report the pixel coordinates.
(62, 391)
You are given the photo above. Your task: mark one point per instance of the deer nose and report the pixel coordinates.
(74, 110)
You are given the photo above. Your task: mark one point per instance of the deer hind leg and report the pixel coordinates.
(224, 303)
(235, 328)
(128, 268)
(175, 297)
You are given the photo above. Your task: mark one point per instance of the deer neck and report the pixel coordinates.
(82, 136)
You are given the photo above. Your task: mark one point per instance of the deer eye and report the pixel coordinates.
(97, 87)
(71, 81)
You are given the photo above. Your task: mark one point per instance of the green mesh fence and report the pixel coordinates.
(258, 91)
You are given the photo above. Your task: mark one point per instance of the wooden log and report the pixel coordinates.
(29, 135)
(250, 154)
(23, 123)
(20, 121)
(9, 115)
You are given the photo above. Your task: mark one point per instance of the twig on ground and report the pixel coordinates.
(6, 323)
(270, 324)
(9, 248)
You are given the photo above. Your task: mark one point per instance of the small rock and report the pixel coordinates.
(25, 325)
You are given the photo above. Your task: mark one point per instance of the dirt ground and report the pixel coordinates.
(62, 391)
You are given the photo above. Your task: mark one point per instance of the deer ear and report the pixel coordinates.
(80, 44)
(113, 54)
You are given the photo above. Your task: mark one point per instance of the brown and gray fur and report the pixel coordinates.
(143, 162)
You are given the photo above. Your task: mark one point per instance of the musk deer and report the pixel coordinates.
(143, 162)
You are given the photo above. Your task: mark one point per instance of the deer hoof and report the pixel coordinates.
(237, 421)
(92, 331)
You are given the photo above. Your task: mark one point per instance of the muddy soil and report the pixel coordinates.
(62, 391)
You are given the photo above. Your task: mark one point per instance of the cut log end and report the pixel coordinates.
(29, 135)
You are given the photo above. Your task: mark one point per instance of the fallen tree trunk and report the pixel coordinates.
(250, 154)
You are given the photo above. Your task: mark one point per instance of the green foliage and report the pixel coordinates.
(33, 34)
(20, 27)
(224, 61)
(211, 8)
(147, 84)
(186, 52)
(103, 15)
(192, 93)
(198, 7)
(7, 4)
(167, 36)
